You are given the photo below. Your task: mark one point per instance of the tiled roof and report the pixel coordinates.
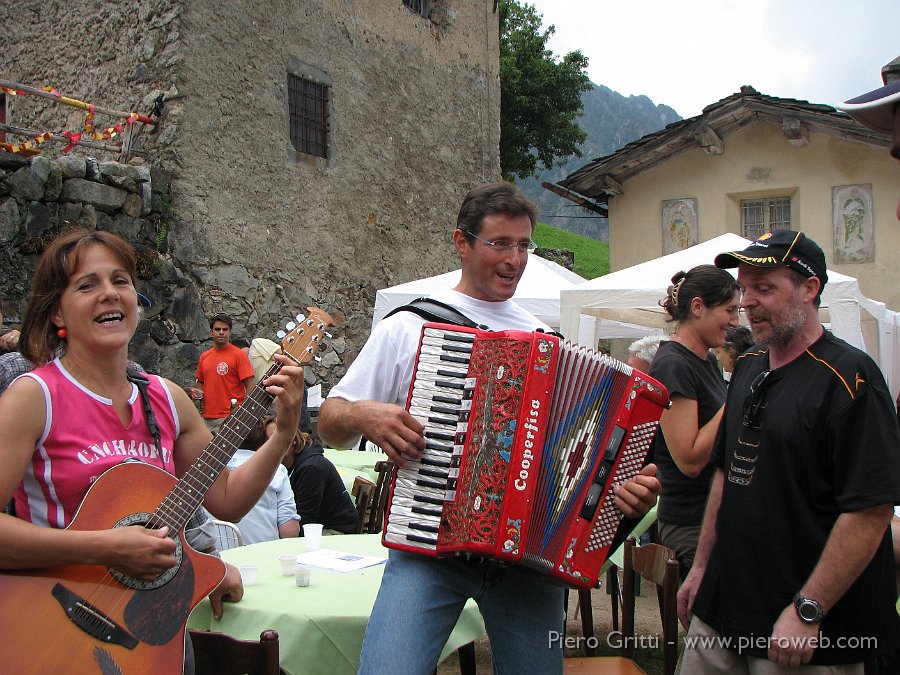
(603, 177)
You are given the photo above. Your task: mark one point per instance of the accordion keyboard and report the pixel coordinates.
(438, 401)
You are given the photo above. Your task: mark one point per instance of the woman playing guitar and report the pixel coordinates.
(114, 590)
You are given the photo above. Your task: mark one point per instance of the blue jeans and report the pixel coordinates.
(421, 598)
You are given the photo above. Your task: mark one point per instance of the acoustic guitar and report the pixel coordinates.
(92, 619)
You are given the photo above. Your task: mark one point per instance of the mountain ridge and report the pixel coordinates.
(611, 121)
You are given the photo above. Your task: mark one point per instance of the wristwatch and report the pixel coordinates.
(808, 610)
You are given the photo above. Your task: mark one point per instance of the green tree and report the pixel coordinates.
(540, 96)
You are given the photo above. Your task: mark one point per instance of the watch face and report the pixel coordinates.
(808, 611)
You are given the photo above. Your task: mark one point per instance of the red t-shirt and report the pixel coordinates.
(222, 373)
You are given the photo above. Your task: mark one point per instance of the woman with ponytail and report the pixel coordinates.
(702, 304)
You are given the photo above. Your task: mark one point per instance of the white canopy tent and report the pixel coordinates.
(538, 292)
(626, 303)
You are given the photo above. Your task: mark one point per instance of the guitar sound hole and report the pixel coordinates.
(162, 579)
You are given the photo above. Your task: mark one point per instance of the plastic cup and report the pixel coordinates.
(248, 574)
(312, 534)
(287, 561)
(302, 573)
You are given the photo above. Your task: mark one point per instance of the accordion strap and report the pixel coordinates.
(435, 310)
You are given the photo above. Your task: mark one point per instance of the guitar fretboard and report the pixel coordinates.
(185, 498)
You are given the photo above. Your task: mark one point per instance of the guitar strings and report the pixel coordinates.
(183, 501)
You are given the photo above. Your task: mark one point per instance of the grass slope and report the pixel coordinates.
(591, 256)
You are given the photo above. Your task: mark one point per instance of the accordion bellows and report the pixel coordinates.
(526, 435)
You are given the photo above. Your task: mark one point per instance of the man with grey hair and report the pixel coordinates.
(642, 351)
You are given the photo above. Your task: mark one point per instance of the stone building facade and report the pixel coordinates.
(243, 221)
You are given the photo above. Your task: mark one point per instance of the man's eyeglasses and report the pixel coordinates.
(753, 402)
(503, 246)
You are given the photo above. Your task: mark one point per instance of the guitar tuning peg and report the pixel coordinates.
(290, 325)
(323, 347)
(281, 335)
(328, 335)
(317, 359)
(300, 317)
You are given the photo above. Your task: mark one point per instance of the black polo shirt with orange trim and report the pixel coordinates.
(822, 441)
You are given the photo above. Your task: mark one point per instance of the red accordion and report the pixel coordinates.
(526, 435)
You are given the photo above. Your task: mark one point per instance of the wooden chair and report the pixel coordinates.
(228, 535)
(611, 665)
(363, 494)
(656, 564)
(220, 654)
(375, 520)
(466, 655)
(359, 482)
(613, 588)
(586, 608)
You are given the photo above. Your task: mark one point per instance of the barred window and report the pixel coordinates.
(308, 114)
(759, 216)
(418, 6)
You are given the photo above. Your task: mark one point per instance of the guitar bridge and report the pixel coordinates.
(91, 620)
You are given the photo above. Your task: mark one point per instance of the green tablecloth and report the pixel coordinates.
(320, 627)
(364, 462)
(348, 476)
(618, 556)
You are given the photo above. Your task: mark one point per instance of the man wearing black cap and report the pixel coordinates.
(795, 564)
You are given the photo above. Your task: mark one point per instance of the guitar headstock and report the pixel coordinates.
(306, 336)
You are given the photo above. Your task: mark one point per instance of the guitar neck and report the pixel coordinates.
(188, 494)
(185, 498)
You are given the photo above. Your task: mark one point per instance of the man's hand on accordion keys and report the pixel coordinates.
(391, 428)
(636, 497)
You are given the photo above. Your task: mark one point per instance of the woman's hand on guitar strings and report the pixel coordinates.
(139, 552)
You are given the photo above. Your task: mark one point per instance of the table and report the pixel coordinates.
(618, 556)
(349, 476)
(358, 460)
(320, 627)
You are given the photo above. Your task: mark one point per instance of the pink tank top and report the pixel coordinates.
(83, 437)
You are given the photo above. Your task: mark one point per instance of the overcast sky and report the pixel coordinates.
(690, 53)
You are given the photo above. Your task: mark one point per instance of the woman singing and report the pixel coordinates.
(77, 415)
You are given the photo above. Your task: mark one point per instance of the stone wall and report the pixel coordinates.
(41, 197)
(415, 125)
(251, 231)
(115, 55)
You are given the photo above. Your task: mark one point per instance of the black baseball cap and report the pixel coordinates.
(782, 248)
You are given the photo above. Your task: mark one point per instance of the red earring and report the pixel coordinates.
(62, 333)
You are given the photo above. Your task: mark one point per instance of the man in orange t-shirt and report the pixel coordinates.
(223, 373)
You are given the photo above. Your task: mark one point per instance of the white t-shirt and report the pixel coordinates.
(383, 369)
